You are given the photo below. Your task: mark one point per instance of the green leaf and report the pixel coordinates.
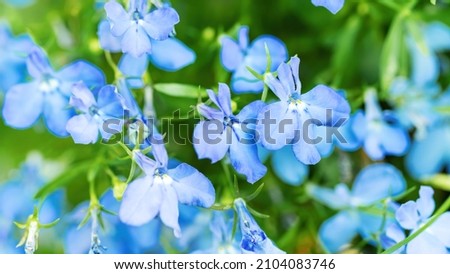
(180, 90)
(62, 180)
(49, 225)
(441, 181)
(433, 2)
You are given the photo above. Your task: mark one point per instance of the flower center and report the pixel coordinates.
(161, 178)
(137, 16)
(48, 85)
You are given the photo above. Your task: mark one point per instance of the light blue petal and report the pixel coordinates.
(374, 223)
(337, 198)
(83, 129)
(426, 158)
(376, 182)
(192, 187)
(332, 5)
(337, 232)
(23, 105)
(141, 202)
(146, 164)
(169, 210)
(244, 156)
(437, 36)
(82, 98)
(277, 87)
(372, 146)
(394, 234)
(107, 41)
(57, 113)
(439, 229)
(242, 81)
(38, 64)
(171, 54)
(136, 42)
(350, 141)
(288, 168)
(159, 23)
(359, 125)
(425, 64)
(325, 146)
(306, 152)
(243, 37)
(133, 67)
(256, 56)
(109, 102)
(426, 243)
(408, 216)
(159, 152)
(211, 141)
(139, 5)
(249, 113)
(394, 140)
(224, 99)
(425, 203)
(326, 105)
(118, 17)
(231, 55)
(77, 71)
(277, 125)
(210, 113)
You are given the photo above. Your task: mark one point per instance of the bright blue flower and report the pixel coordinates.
(94, 114)
(160, 190)
(372, 185)
(425, 61)
(115, 237)
(254, 240)
(332, 5)
(138, 26)
(236, 56)
(223, 133)
(48, 93)
(411, 216)
(14, 50)
(379, 130)
(294, 119)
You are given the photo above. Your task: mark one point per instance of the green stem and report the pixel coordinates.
(444, 207)
(264, 93)
(112, 64)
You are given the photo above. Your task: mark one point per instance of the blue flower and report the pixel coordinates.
(254, 240)
(223, 133)
(236, 56)
(138, 26)
(48, 93)
(294, 119)
(160, 190)
(13, 58)
(411, 216)
(379, 130)
(361, 210)
(95, 115)
(332, 5)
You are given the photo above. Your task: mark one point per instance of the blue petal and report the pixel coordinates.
(23, 105)
(118, 17)
(171, 54)
(256, 57)
(146, 164)
(136, 42)
(425, 64)
(337, 232)
(337, 198)
(426, 243)
(242, 81)
(277, 125)
(192, 187)
(109, 102)
(82, 98)
(372, 224)
(159, 152)
(426, 157)
(394, 234)
(376, 182)
(437, 36)
(288, 168)
(250, 112)
(159, 23)
(138, 5)
(304, 148)
(244, 156)
(326, 105)
(83, 129)
(231, 54)
(425, 203)
(108, 41)
(211, 141)
(243, 37)
(57, 113)
(210, 113)
(133, 67)
(77, 71)
(325, 146)
(408, 216)
(38, 64)
(277, 87)
(332, 5)
(439, 229)
(224, 99)
(359, 125)
(141, 201)
(350, 141)
(169, 210)
(394, 140)
(288, 75)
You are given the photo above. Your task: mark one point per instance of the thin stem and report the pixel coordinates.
(264, 93)
(444, 207)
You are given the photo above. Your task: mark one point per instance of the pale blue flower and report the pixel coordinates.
(254, 239)
(237, 55)
(48, 93)
(332, 5)
(360, 210)
(295, 118)
(223, 133)
(160, 190)
(104, 114)
(411, 216)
